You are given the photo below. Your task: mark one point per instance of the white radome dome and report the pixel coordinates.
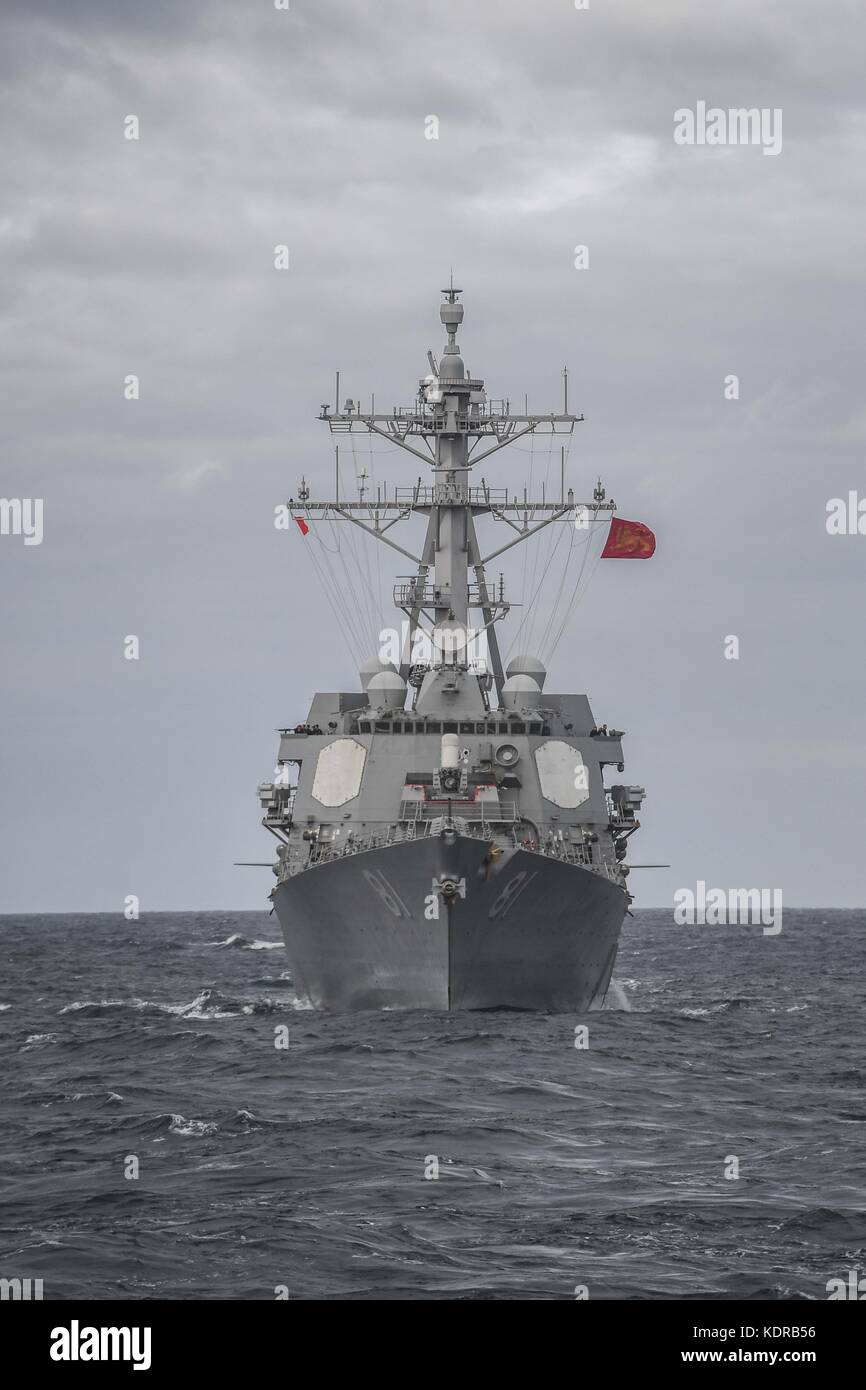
(521, 692)
(527, 666)
(387, 690)
(374, 666)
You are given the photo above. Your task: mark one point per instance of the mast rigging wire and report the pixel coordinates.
(575, 599)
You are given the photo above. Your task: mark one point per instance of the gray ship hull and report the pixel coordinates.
(525, 932)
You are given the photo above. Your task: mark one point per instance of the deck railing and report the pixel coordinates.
(569, 852)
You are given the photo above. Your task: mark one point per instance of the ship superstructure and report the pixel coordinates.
(451, 834)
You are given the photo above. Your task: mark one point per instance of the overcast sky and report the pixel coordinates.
(156, 257)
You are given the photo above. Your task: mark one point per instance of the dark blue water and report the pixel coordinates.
(305, 1167)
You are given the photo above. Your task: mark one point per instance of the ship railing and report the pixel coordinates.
(411, 591)
(440, 494)
(418, 422)
(486, 814)
(391, 834)
(419, 828)
(426, 496)
(480, 412)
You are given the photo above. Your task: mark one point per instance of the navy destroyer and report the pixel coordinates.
(447, 836)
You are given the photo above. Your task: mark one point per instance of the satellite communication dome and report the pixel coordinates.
(521, 692)
(372, 667)
(387, 690)
(527, 666)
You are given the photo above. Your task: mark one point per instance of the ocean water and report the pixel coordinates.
(304, 1169)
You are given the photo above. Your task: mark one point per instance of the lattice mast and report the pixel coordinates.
(452, 427)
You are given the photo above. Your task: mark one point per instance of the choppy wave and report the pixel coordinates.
(238, 942)
(305, 1164)
(191, 1129)
(720, 1006)
(208, 1004)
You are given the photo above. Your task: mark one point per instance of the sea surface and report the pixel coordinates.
(149, 1047)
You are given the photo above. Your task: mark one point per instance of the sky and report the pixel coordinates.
(309, 128)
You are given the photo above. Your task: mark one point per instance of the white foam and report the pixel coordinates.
(191, 1128)
(199, 1008)
(93, 1004)
(619, 999)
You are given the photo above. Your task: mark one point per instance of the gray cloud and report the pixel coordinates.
(306, 128)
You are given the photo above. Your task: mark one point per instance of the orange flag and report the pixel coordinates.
(628, 540)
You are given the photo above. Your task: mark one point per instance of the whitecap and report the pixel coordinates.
(201, 1007)
(191, 1128)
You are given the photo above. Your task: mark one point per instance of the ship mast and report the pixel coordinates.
(451, 427)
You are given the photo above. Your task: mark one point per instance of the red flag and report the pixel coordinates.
(628, 540)
(303, 525)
